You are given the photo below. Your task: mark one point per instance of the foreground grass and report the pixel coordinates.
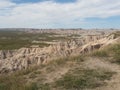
(76, 78)
(19, 79)
(17, 84)
(83, 78)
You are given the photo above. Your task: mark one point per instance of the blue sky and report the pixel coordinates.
(59, 13)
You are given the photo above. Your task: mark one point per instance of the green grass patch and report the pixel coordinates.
(45, 86)
(100, 53)
(112, 51)
(83, 79)
(115, 53)
(15, 83)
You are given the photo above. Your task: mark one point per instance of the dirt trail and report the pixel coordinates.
(56, 75)
(57, 72)
(91, 63)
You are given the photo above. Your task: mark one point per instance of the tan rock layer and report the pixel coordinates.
(12, 60)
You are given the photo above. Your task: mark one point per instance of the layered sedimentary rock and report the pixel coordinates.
(12, 60)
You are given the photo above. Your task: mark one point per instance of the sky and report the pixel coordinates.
(59, 13)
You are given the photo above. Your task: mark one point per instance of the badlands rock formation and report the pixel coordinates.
(12, 60)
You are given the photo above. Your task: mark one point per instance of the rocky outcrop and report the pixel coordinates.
(12, 60)
(99, 43)
(6, 53)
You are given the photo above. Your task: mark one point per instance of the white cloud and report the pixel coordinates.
(51, 14)
(5, 4)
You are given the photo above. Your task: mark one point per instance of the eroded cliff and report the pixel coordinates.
(12, 60)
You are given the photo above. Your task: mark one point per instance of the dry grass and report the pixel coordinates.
(112, 51)
(83, 78)
(19, 79)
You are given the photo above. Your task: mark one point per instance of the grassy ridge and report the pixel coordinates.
(112, 51)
